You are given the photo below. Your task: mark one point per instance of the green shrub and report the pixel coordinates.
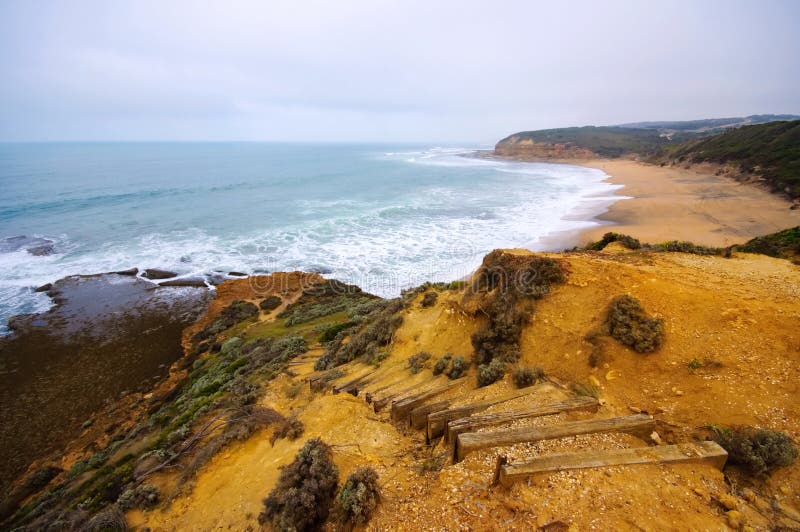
(524, 376)
(270, 303)
(305, 490)
(429, 299)
(418, 362)
(585, 389)
(458, 367)
(626, 240)
(358, 497)
(442, 364)
(143, 496)
(234, 313)
(329, 334)
(628, 323)
(759, 451)
(491, 372)
(110, 519)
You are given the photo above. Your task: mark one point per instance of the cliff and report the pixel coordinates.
(206, 453)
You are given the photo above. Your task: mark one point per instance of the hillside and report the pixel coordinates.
(271, 363)
(709, 125)
(768, 152)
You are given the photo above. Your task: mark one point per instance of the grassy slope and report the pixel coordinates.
(771, 150)
(608, 141)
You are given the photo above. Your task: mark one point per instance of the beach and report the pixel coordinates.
(671, 203)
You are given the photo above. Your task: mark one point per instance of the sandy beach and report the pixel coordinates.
(669, 203)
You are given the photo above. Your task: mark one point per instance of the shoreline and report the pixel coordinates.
(657, 204)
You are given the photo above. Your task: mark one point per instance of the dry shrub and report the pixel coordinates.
(358, 497)
(290, 428)
(305, 490)
(429, 299)
(270, 303)
(418, 362)
(109, 519)
(524, 376)
(628, 323)
(758, 451)
(491, 372)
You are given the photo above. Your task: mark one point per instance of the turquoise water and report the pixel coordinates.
(384, 217)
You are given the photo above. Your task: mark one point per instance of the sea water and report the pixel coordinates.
(384, 217)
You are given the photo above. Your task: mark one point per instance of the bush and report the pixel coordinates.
(290, 429)
(330, 334)
(270, 303)
(524, 376)
(626, 240)
(628, 323)
(305, 490)
(453, 367)
(358, 497)
(429, 299)
(457, 368)
(759, 451)
(442, 364)
(110, 519)
(491, 372)
(143, 496)
(418, 362)
(234, 313)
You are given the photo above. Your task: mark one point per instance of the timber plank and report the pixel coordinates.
(402, 407)
(706, 452)
(467, 442)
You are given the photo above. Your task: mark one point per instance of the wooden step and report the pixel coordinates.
(438, 420)
(419, 416)
(396, 395)
(640, 425)
(473, 423)
(349, 385)
(706, 452)
(402, 407)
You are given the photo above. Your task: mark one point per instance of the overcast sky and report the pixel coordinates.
(429, 71)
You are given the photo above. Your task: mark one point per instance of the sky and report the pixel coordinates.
(384, 71)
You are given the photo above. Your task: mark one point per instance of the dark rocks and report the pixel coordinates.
(44, 287)
(237, 274)
(129, 271)
(322, 270)
(187, 281)
(154, 273)
(41, 251)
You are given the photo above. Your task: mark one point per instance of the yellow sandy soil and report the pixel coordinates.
(739, 316)
(673, 203)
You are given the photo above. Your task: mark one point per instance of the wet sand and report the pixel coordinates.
(108, 335)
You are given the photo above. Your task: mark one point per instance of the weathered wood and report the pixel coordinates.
(706, 452)
(402, 407)
(438, 420)
(378, 404)
(501, 461)
(352, 383)
(640, 425)
(419, 416)
(471, 424)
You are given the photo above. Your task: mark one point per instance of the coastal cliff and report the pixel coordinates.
(518, 147)
(279, 360)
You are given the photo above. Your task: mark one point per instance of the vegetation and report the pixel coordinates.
(358, 497)
(324, 299)
(585, 389)
(417, 362)
(143, 496)
(524, 376)
(330, 333)
(771, 151)
(626, 240)
(234, 313)
(270, 303)
(509, 284)
(429, 299)
(491, 372)
(785, 244)
(290, 429)
(758, 451)
(607, 141)
(453, 367)
(305, 490)
(376, 332)
(628, 323)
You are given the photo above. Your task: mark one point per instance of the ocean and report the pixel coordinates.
(384, 217)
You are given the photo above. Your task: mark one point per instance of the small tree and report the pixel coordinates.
(358, 497)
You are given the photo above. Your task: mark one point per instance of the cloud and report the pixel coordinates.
(384, 70)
